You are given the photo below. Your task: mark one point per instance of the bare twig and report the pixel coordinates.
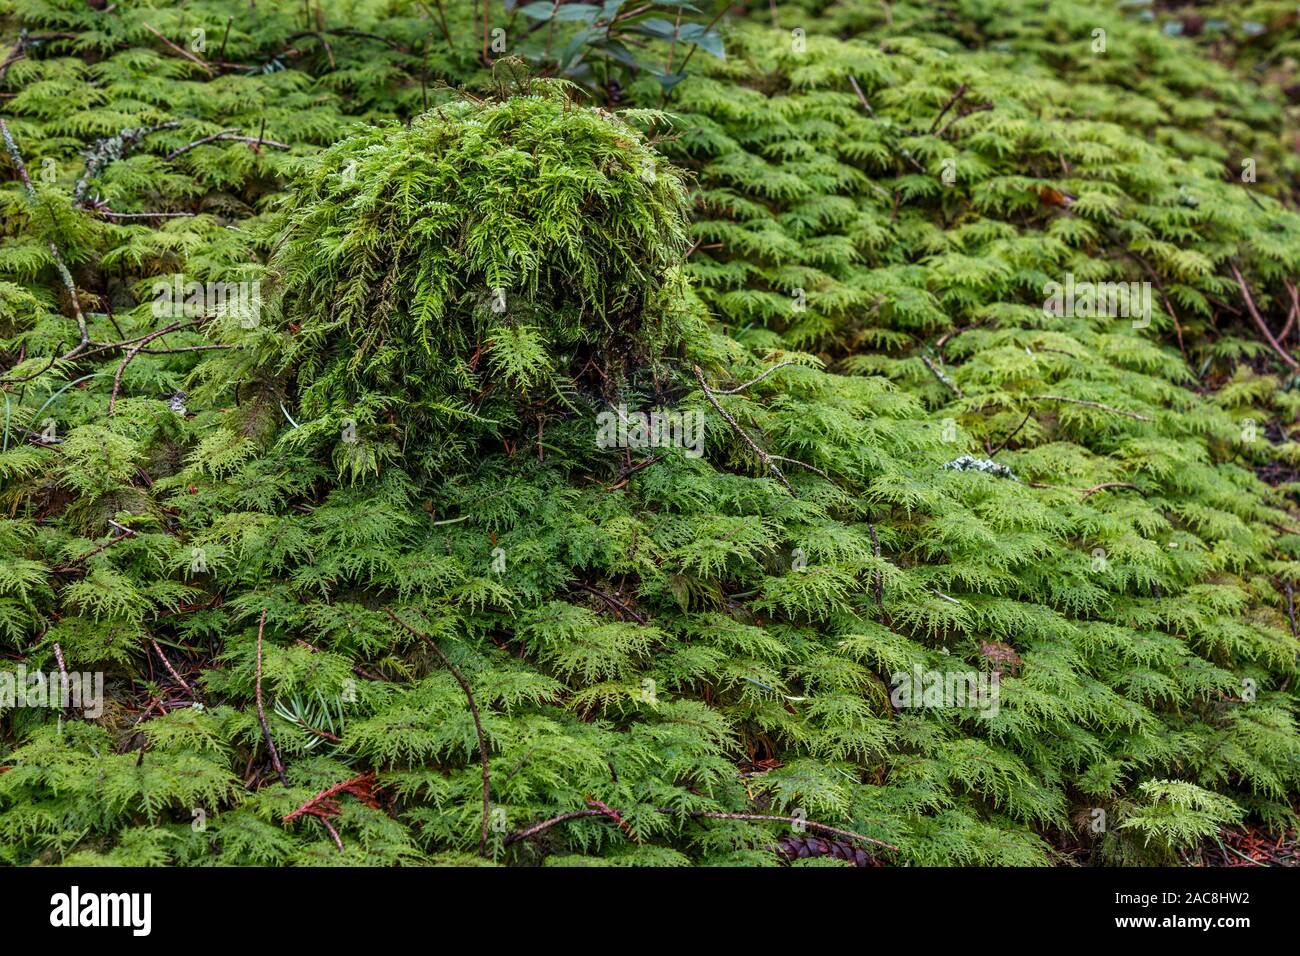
(334, 834)
(626, 474)
(547, 824)
(755, 381)
(862, 97)
(609, 812)
(1098, 405)
(942, 378)
(37, 374)
(952, 101)
(63, 670)
(1259, 319)
(108, 213)
(171, 670)
(763, 456)
(879, 582)
(200, 142)
(126, 533)
(202, 64)
(961, 115)
(473, 709)
(1290, 609)
(1293, 313)
(261, 713)
(1089, 492)
(1015, 431)
(139, 347)
(726, 5)
(614, 602)
(62, 266)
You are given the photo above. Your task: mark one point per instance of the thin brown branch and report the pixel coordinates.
(1259, 319)
(171, 670)
(952, 101)
(473, 709)
(200, 142)
(261, 712)
(1015, 431)
(961, 115)
(547, 824)
(59, 264)
(1089, 492)
(1294, 313)
(108, 213)
(37, 374)
(626, 474)
(1098, 405)
(610, 813)
(140, 347)
(726, 5)
(1290, 609)
(763, 456)
(941, 378)
(63, 670)
(754, 381)
(1164, 297)
(614, 602)
(862, 97)
(334, 834)
(202, 64)
(71, 566)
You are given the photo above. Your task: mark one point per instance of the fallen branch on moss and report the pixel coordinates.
(261, 712)
(473, 709)
(617, 815)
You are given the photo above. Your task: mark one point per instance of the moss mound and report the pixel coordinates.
(389, 496)
(470, 272)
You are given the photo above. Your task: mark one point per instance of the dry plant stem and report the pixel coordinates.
(753, 381)
(231, 135)
(1097, 405)
(473, 709)
(1290, 609)
(1015, 431)
(1295, 309)
(334, 834)
(613, 602)
(59, 264)
(696, 814)
(726, 5)
(941, 378)
(952, 101)
(862, 97)
(1107, 484)
(763, 456)
(126, 360)
(171, 670)
(63, 667)
(261, 712)
(1259, 319)
(126, 533)
(202, 64)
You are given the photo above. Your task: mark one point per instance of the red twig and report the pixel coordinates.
(322, 806)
